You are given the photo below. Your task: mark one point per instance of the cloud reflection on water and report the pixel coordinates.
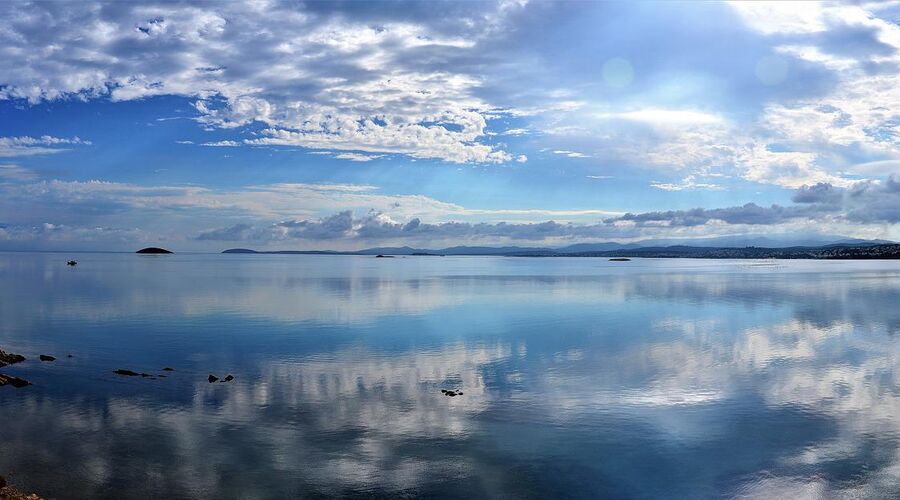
(723, 381)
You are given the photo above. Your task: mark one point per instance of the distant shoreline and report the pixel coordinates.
(828, 252)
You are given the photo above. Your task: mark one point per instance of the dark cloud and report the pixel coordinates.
(751, 214)
(819, 193)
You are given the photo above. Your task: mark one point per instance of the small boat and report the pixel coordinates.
(71, 263)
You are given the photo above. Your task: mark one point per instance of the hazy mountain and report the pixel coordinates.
(732, 242)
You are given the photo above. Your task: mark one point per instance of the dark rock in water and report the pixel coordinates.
(70, 356)
(154, 250)
(459, 393)
(229, 378)
(71, 263)
(167, 369)
(619, 259)
(212, 378)
(8, 358)
(379, 256)
(145, 375)
(127, 373)
(13, 381)
(44, 357)
(443, 391)
(161, 376)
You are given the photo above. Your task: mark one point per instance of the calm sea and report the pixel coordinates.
(581, 378)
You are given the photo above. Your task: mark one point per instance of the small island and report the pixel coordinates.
(154, 250)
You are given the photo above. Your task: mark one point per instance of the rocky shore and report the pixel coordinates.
(9, 492)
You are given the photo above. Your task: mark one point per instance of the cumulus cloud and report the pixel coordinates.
(314, 78)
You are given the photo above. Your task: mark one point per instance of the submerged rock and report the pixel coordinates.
(13, 381)
(127, 373)
(45, 357)
(212, 378)
(8, 358)
(167, 369)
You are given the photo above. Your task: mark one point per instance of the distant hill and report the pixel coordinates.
(848, 249)
(889, 251)
(155, 250)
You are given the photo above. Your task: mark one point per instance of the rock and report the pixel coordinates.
(155, 250)
(379, 256)
(161, 376)
(167, 369)
(145, 375)
(229, 378)
(16, 382)
(443, 391)
(212, 378)
(71, 263)
(459, 393)
(45, 357)
(70, 356)
(9, 492)
(127, 373)
(619, 259)
(7, 358)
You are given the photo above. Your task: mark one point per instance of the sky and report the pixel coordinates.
(200, 126)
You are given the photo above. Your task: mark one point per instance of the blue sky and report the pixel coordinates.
(309, 125)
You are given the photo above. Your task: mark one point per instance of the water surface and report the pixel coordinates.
(581, 377)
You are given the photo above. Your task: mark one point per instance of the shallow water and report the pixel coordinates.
(581, 377)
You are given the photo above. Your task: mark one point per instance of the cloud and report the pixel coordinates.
(748, 214)
(665, 117)
(356, 157)
(315, 78)
(220, 144)
(16, 173)
(570, 154)
(688, 183)
(30, 146)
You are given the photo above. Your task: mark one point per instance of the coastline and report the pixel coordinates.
(9, 492)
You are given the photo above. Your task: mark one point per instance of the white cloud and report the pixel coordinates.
(570, 154)
(357, 157)
(17, 173)
(665, 117)
(315, 80)
(688, 183)
(29, 146)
